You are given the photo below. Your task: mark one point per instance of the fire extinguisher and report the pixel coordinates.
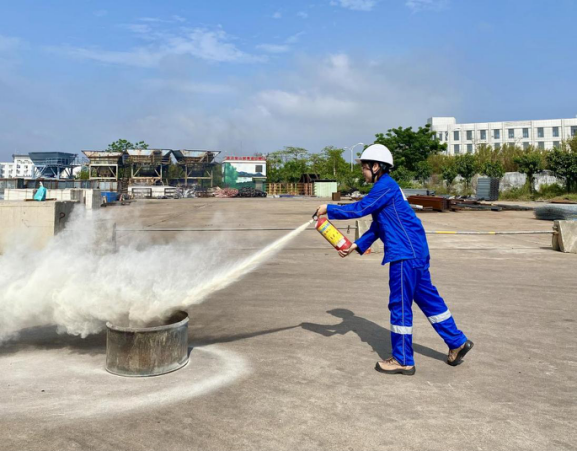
(331, 233)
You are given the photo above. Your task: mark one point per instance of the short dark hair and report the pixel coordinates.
(385, 167)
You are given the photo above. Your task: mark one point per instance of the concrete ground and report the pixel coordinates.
(284, 358)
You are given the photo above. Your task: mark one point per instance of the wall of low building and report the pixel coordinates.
(32, 223)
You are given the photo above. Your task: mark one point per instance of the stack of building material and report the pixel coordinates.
(488, 188)
(225, 192)
(551, 212)
(436, 203)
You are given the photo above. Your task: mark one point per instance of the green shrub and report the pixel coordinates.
(522, 193)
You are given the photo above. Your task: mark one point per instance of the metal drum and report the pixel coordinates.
(148, 351)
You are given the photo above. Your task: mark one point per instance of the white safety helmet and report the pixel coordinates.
(377, 152)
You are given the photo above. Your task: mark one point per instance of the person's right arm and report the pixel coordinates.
(377, 198)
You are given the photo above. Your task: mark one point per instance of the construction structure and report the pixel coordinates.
(54, 165)
(150, 166)
(103, 165)
(197, 165)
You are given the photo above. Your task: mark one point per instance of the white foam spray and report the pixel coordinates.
(78, 285)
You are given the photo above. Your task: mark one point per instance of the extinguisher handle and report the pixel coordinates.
(315, 215)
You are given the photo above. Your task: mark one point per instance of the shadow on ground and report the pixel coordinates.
(47, 338)
(376, 336)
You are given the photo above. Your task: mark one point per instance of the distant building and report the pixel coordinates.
(464, 138)
(244, 171)
(20, 167)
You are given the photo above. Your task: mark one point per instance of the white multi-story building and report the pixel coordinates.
(20, 167)
(463, 138)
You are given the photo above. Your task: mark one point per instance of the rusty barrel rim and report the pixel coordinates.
(174, 325)
(164, 350)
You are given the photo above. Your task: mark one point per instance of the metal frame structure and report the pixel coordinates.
(148, 166)
(54, 165)
(103, 165)
(197, 164)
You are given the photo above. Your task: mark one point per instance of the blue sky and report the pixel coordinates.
(248, 76)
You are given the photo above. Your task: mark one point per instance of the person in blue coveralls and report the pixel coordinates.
(407, 251)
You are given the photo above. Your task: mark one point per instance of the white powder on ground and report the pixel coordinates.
(77, 284)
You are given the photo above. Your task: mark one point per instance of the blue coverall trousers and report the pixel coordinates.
(410, 280)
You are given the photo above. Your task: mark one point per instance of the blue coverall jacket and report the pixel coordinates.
(394, 222)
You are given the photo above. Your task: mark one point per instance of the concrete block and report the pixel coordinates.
(362, 226)
(34, 223)
(565, 238)
(93, 198)
(18, 194)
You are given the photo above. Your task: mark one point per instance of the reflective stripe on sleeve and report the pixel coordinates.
(403, 330)
(438, 318)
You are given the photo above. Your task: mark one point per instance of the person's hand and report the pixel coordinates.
(321, 210)
(345, 252)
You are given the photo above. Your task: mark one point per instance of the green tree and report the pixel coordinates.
(563, 162)
(530, 163)
(122, 145)
(423, 171)
(449, 172)
(493, 169)
(175, 172)
(403, 176)
(84, 174)
(409, 147)
(466, 166)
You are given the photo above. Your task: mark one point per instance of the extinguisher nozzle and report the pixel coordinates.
(315, 215)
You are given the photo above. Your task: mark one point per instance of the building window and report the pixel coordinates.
(541, 145)
(483, 134)
(456, 135)
(496, 134)
(555, 132)
(540, 132)
(573, 130)
(511, 133)
(440, 136)
(457, 149)
(497, 146)
(557, 144)
(469, 148)
(525, 133)
(469, 135)
(525, 146)
(258, 168)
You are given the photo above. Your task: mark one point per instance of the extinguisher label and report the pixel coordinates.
(332, 235)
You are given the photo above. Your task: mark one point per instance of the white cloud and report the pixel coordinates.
(273, 48)
(189, 87)
(209, 45)
(294, 38)
(422, 5)
(8, 44)
(100, 13)
(277, 15)
(355, 5)
(303, 14)
(303, 105)
(138, 28)
(337, 99)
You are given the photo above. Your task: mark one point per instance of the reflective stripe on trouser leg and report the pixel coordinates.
(401, 284)
(433, 306)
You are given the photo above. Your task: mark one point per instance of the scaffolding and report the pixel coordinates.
(103, 165)
(54, 165)
(197, 165)
(147, 167)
